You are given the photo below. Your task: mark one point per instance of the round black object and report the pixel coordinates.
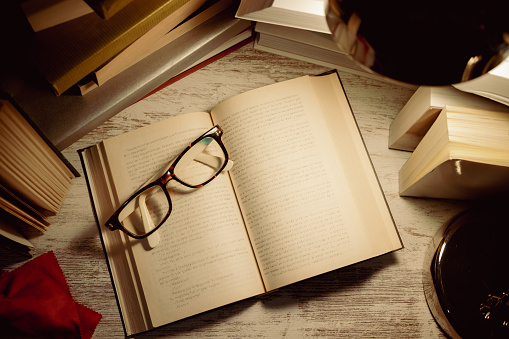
(433, 42)
(466, 274)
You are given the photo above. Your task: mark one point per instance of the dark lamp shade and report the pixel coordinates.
(466, 276)
(432, 42)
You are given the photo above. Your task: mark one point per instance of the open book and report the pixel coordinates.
(301, 199)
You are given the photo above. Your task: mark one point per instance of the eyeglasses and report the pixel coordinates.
(147, 209)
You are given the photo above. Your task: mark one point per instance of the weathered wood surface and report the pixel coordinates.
(382, 297)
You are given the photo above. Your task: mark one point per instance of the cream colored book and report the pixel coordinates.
(301, 199)
(416, 117)
(310, 46)
(303, 14)
(320, 52)
(464, 155)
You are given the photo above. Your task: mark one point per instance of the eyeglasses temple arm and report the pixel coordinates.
(154, 238)
(148, 224)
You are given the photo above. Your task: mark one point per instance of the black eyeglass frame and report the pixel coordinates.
(113, 222)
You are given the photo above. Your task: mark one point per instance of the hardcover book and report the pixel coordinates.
(301, 199)
(42, 14)
(306, 45)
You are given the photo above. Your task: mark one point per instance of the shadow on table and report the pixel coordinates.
(334, 283)
(338, 283)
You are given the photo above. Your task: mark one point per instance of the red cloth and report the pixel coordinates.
(35, 299)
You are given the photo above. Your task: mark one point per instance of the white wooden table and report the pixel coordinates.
(381, 298)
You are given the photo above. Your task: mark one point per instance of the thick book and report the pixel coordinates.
(310, 46)
(68, 52)
(301, 199)
(67, 118)
(27, 212)
(34, 176)
(306, 45)
(464, 155)
(303, 14)
(416, 117)
(308, 37)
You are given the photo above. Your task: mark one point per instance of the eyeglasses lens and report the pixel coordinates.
(198, 165)
(146, 211)
(201, 162)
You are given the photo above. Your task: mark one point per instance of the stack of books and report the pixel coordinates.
(311, 46)
(108, 39)
(298, 29)
(460, 144)
(100, 60)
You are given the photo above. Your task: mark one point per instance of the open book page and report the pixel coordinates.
(204, 259)
(307, 190)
